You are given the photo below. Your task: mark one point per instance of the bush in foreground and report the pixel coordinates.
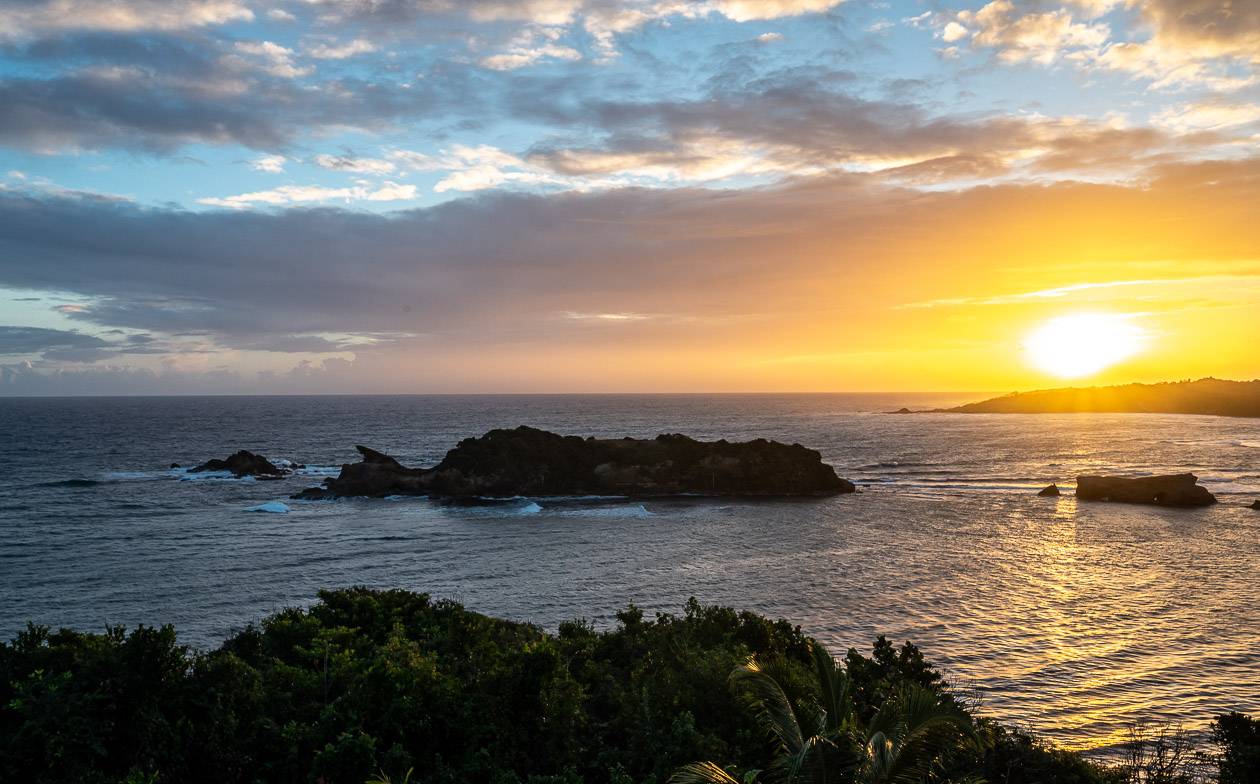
(373, 684)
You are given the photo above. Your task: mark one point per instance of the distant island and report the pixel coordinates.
(1209, 396)
(527, 461)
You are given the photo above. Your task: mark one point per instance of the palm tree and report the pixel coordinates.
(822, 740)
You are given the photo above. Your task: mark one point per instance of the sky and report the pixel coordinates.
(392, 196)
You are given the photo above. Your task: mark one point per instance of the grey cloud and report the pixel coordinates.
(33, 340)
(498, 265)
(804, 117)
(23, 18)
(76, 354)
(159, 92)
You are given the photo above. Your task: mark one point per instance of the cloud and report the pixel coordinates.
(34, 340)
(272, 164)
(275, 59)
(529, 47)
(341, 51)
(541, 23)
(1040, 37)
(26, 18)
(795, 123)
(1064, 292)
(751, 10)
(1173, 44)
(1208, 115)
(523, 280)
(160, 93)
(606, 318)
(287, 195)
(483, 167)
(352, 164)
(1210, 28)
(954, 32)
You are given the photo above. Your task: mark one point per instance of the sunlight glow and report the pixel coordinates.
(1083, 344)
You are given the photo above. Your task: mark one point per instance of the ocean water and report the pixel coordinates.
(1069, 619)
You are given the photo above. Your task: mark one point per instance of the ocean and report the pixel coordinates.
(1069, 619)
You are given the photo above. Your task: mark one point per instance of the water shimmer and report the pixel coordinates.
(1070, 619)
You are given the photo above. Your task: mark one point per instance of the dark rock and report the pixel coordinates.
(1052, 490)
(1180, 490)
(377, 474)
(174, 465)
(243, 463)
(532, 462)
(1255, 505)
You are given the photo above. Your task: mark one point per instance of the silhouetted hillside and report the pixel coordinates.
(1205, 396)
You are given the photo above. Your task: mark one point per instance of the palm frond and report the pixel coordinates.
(834, 687)
(910, 732)
(702, 773)
(922, 711)
(773, 708)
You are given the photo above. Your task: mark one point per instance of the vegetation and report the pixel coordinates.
(392, 686)
(821, 736)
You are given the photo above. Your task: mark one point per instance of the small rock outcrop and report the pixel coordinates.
(531, 462)
(1050, 492)
(377, 474)
(1255, 505)
(242, 463)
(1181, 490)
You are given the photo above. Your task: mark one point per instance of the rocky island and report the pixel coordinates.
(1209, 396)
(531, 462)
(241, 464)
(1181, 490)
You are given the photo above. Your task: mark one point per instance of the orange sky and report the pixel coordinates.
(842, 287)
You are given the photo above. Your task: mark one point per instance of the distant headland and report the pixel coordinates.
(1210, 396)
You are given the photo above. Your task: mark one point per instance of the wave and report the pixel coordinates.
(124, 476)
(71, 483)
(271, 507)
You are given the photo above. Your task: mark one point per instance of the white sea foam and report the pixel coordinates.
(214, 476)
(123, 476)
(316, 470)
(273, 507)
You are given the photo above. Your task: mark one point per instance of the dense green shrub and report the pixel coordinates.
(378, 683)
(1239, 739)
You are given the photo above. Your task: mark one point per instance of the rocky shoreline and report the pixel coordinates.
(529, 462)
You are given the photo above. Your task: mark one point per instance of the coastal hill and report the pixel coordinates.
(1206, 396)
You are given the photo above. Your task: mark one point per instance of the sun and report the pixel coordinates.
(1083, 343)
